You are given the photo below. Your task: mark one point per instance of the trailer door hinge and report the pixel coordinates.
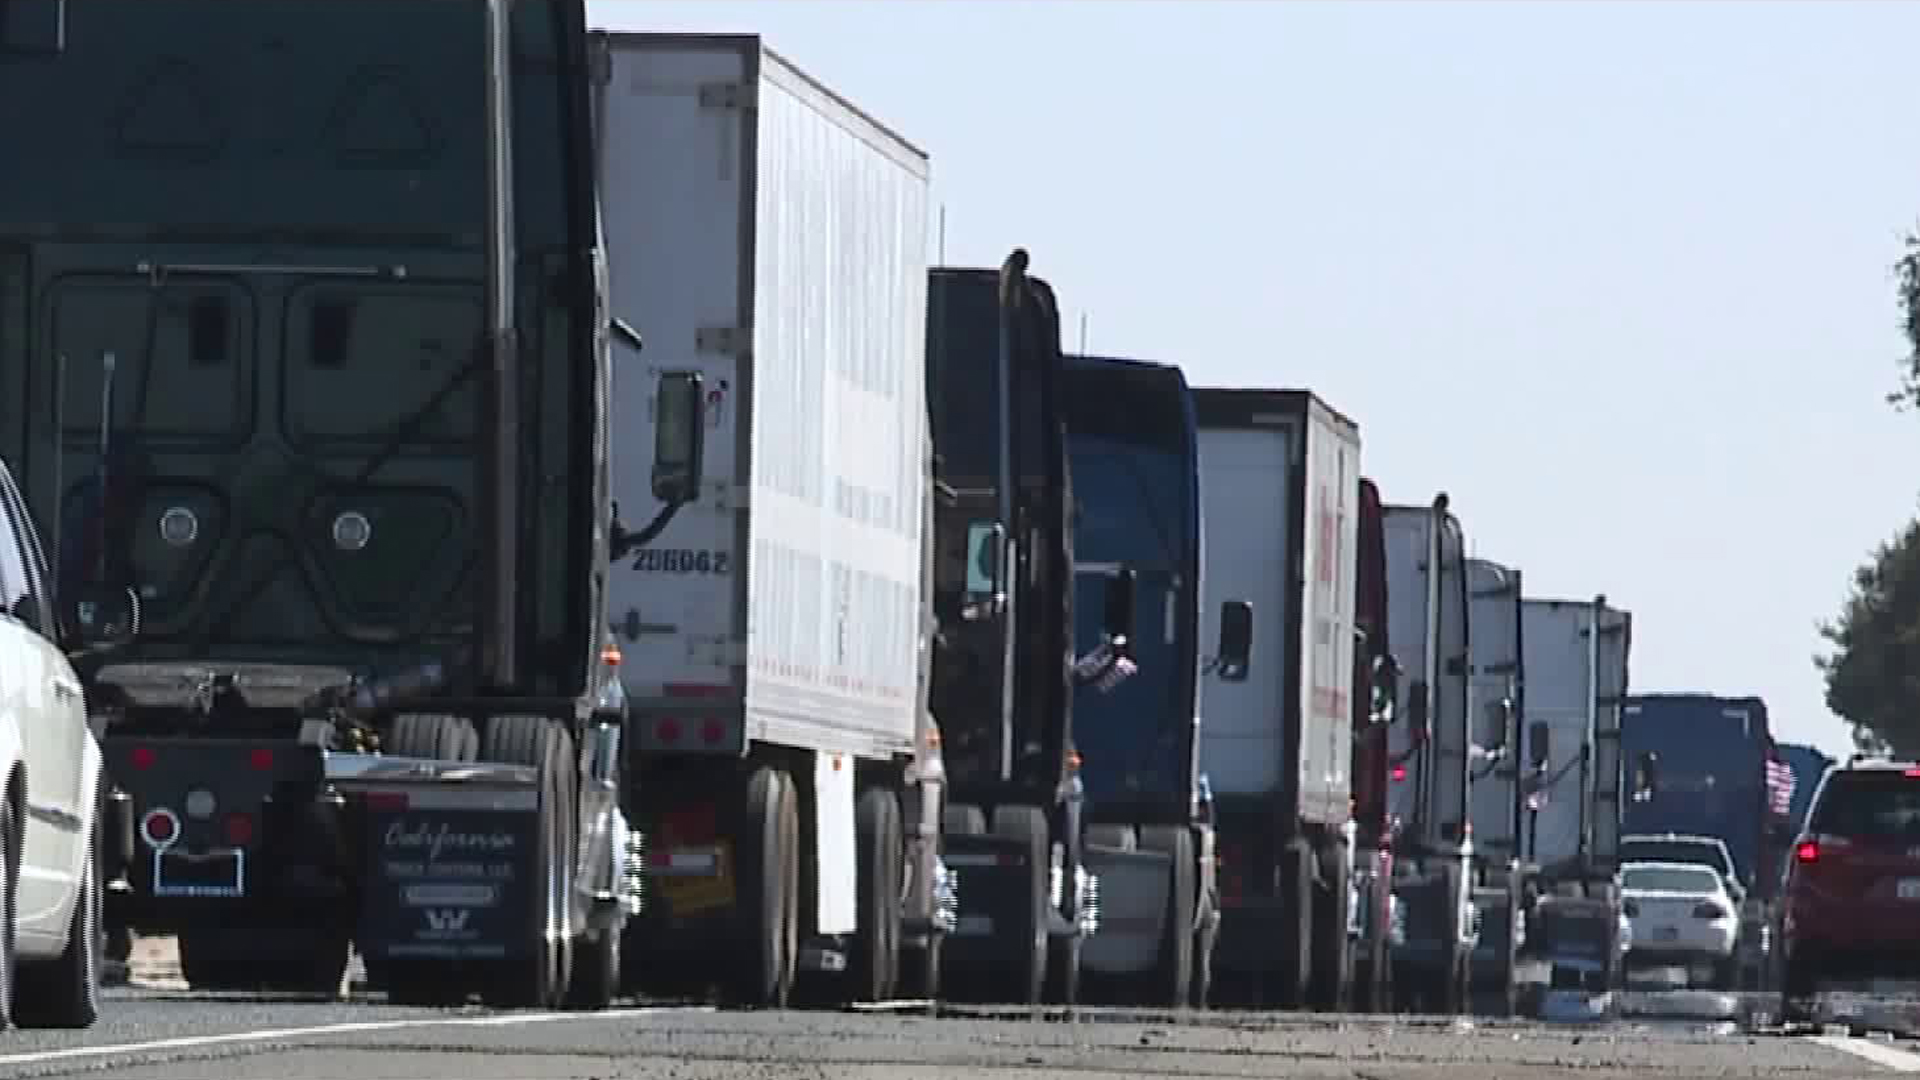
(730, 340)
(727, 95)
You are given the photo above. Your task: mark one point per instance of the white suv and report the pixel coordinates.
(49, 782)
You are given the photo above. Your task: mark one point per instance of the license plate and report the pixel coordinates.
(1667, 933)
(220, 873)
(1909, 888)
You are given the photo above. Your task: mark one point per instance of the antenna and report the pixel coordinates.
(941, 257)
(1083, 333)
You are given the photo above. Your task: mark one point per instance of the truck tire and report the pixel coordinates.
(440, 736)
(1457, 972)
(875, 964)
(767, 892)
(1026, 939)
(964, 983)
(1332, 949)
(1293, 970)
(539, 977)
(66, 993)
(1172, 977)
(10, 841)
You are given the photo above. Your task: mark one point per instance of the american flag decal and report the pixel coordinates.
(1780, 784)
(1104, 668)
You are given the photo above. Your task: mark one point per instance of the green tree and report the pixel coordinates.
(1873, 670)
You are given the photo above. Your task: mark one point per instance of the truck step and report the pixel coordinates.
(821, 958)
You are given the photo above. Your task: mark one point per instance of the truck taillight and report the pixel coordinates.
(387, 802)
(667, 730)
(160, 827)
(1399, 773)
(712, 730)
(239, 829)
(142, 757)
(261, 759)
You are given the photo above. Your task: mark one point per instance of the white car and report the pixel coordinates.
(1682, 916)
(50, 766)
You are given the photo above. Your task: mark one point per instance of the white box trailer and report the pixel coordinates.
(769, 238)
(1435, 863)
(1279, 487)
(1576, 683)
(1495, 680)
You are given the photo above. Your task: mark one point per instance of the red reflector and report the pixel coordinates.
(712, 730)
(239, 829)
(261, 759)
(387, 801)
(667, 730)
(142, 757)
(1399, 773)
(159, 826)
(1807, 852)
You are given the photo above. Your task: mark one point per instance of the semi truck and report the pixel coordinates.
(1497, 681)
(1279, 475)
(771, 615)
(1699, 792)
(1576, 655)
(1697, 766)
(314, 402)
(1371, 923)
(1135, 459)
(1435, 861)
(1005, 673)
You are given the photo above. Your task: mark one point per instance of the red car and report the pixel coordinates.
(1850, 908)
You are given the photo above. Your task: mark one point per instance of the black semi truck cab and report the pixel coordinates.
(308, 385)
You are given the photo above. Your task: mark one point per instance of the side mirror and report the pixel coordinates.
(679, 436)
(1417, 707)
(1236, 641)
(1646, 774)
(1499, 716)
(1117, 616)
(103, 616)
(627, 334)
(1385, 683)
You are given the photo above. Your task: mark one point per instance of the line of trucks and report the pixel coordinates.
(571, 542)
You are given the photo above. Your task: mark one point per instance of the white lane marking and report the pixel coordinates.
(356, 1027)
(1879, 1053)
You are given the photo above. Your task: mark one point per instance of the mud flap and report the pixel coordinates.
(452, 872)
(1133, 909)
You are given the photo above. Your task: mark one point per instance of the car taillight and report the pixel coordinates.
(1399, 773)
(1809, 850)
(1709, 910)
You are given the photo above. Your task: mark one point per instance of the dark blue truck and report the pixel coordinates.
(1132, 442)
(1696, 766)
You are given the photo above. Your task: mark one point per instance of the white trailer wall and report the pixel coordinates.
(766, 234)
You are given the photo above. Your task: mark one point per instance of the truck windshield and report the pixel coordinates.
(260, 230)
(963, 342)
(1133, 483)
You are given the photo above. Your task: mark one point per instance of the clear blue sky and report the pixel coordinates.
(1614, 276)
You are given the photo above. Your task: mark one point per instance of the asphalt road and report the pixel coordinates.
(163, 1034)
